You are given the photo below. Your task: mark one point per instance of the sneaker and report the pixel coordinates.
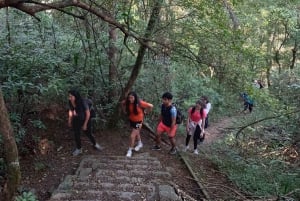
(196, 151)
(156, 147)
(173, 151)
(138, 147)
(77, 152)
(186, 148)
(98, 147)
(129, 153)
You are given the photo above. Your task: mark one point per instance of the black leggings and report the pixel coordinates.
(196, 137)
(77, 127)
(248, 106)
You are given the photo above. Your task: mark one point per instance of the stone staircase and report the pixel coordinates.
(117, 178)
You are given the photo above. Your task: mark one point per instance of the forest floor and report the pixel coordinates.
(51, 161)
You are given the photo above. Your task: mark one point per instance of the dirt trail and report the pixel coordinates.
(43, 173)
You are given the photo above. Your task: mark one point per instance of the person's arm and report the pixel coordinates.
(188, 121)
(203, 123)
(86, 120)
(146, 106)
(173, 115)
(70, 118)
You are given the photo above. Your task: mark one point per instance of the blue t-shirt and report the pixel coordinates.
(168, 113)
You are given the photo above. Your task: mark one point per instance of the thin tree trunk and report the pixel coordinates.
(141, 53)
(112, 56)
(11, 152)
(294, 55)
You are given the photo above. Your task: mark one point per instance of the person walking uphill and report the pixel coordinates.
(206, 109)
(195, 125)
(167, 122)
(135, 109)
(79, 119)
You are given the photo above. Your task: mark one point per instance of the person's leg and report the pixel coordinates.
(171, 134)
(206, 122)
(250, 107)
(76, 125)
(133, 136)
(89, 134)
(187, 139)
(139, 141)
(196, 137)
(245, 106)
(159, 131)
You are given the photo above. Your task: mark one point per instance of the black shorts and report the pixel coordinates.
(136, 125)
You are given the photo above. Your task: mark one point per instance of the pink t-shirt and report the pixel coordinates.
(196, 116)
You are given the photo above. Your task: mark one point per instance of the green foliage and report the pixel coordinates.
(38, 124)
(26, 196)
(19, 130)
(257, 176)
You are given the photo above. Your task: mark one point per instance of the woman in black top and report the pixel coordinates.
(79, 119)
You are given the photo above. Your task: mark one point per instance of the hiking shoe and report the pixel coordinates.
(196, 151)
(129, 153)
(98, 147)
(138, 147)
(173, 151)
(77, 152)
(156, 147)
(186, 148)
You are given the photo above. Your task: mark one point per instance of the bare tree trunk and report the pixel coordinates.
(141, 53)
(11, 152)
(294, 55)
(112, 56)
(232, 15)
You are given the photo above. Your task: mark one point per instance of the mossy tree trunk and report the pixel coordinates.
(11, 152)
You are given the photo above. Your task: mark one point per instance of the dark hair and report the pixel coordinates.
(135, 103)
(205, 98)
(78, 99)
(167, 95)
(202, 107)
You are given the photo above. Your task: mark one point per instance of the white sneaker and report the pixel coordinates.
(98, 147)
(186, 148)
(129, 153)
(196, 151)
(138, 147)
(77, 152)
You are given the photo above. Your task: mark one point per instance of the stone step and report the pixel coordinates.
(122, 165)
(116, 178)
(114, 187)
(103, 196)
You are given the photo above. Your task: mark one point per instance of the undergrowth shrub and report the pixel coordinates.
(249, 165)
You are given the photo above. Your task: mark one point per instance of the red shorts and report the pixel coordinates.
(163, 128)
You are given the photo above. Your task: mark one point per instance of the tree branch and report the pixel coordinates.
(260, 120)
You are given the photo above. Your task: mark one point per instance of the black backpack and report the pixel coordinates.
(91, 107)
(179, 116)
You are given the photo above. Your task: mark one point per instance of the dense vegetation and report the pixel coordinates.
(194, 48)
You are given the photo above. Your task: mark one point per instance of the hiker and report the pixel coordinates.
(167, 123)
(79, 119)
(248, 102)
(195, 125)
(258, 84)
(207, 109)
(135, 109)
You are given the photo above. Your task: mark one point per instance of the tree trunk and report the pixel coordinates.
(112, 56)
(139, 60)
(11, 152)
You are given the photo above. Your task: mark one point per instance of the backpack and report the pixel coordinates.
(179, 116)
(91, 107)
